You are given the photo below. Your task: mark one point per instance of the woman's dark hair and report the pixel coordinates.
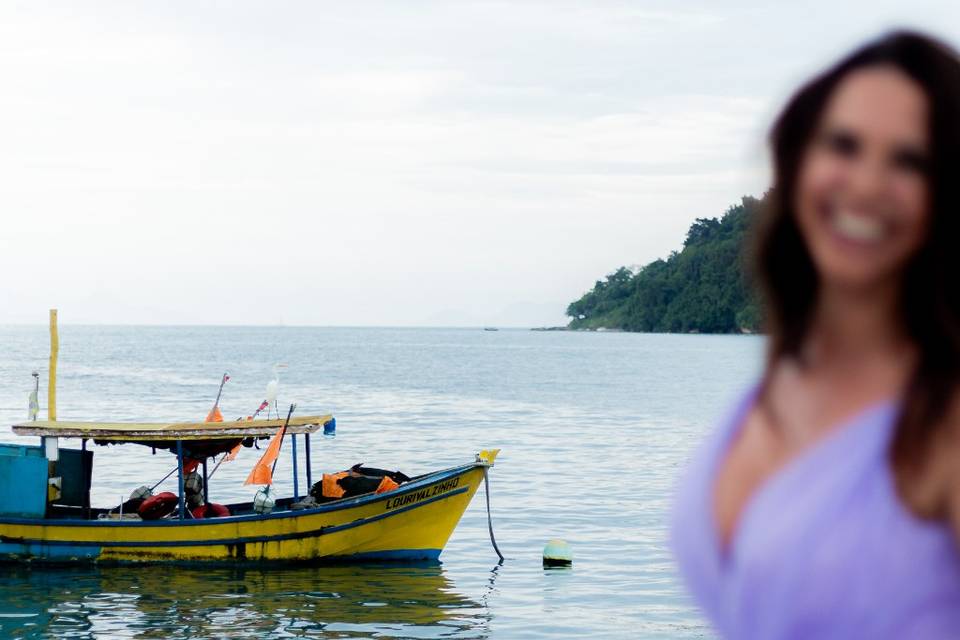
(930, 294)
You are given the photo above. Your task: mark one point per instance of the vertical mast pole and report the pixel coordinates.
(306, 446)
(296, 479)
(52, 381)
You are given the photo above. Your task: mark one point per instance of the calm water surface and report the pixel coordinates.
(594, 428)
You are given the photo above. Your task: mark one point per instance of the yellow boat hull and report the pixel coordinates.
(412, 523)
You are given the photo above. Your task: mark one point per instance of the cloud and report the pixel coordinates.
(378, 163)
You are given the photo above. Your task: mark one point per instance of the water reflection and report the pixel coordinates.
(176, 602)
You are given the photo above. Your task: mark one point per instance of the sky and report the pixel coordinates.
(383, 163)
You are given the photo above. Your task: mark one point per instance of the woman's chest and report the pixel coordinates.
(766, 444)
(823, 558)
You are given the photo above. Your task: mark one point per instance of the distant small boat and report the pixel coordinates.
(490, 329)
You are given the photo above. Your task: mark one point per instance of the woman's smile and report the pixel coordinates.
(856, 228)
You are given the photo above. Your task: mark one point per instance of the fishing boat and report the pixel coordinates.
(46, 515)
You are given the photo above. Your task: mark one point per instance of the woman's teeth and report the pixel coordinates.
(857, 228)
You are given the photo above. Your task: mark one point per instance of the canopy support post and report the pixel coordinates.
(85, 473)
(180, 475)
(296, 479)
(306, 442)
(206, 491)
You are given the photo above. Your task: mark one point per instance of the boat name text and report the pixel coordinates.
(423, 494)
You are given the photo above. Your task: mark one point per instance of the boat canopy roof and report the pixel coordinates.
(167, 431)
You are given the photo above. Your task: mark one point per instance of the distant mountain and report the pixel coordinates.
(700, 288)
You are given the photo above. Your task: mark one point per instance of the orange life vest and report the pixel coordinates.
(330, 488)
(387, 484)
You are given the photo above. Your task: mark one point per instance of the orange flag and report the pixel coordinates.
(261, 473)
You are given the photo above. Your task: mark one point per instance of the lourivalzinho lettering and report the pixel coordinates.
(423, 494)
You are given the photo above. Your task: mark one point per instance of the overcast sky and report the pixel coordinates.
(382, 163)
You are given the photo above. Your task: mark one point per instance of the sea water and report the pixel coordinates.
(594, 429)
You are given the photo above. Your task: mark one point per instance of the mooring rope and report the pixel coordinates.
(493, 541)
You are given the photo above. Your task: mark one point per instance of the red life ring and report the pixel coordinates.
(158, 506)
(212, 510)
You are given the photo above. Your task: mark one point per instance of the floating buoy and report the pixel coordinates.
(557, 553)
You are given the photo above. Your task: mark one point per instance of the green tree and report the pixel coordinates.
(699, 288)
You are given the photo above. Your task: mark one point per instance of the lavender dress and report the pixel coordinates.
(823, 549)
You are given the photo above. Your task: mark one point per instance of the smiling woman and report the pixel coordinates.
(862, 191)
(828, 503)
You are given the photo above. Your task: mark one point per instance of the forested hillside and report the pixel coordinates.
(700, 288)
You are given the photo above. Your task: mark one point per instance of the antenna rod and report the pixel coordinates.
(54, 352)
